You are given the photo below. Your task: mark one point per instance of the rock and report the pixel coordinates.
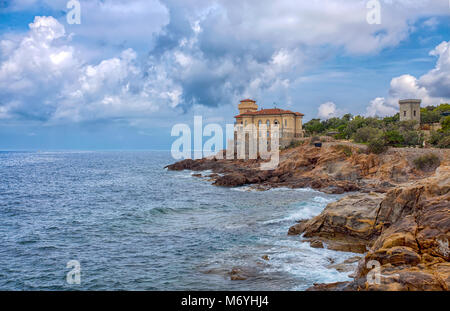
(182, 165)
(348, 246)
(197, 175)
(342, 267)
(400, 217)
(241, 273)
(414, 218)
(338, 286)
(352, 259)
(231, 180)
(351, 218)
(316, 244)
(298, 228)
(265, 257)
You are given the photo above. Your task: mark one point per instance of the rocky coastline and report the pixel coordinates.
(395, 215)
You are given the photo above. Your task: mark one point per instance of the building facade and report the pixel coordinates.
(290, 124)
(410, 109)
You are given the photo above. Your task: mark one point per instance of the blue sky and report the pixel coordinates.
(132, 69)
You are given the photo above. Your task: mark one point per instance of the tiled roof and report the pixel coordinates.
(248, 100)
(276, 111)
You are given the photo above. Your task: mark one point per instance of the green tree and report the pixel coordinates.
(445, 122)
(364, 134)
(393, 138)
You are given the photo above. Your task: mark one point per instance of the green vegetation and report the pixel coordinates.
(432, 114)
(427, 162)
(388, 131)
(377, 146)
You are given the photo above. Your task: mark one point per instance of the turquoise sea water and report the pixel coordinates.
(133, 225)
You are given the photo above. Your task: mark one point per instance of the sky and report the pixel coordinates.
(132, 69)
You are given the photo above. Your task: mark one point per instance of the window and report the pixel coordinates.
(259, 123)
(268, 124)
(275, 122)
(245, 122)
(404, 113)
(285, 122)
(414, 113)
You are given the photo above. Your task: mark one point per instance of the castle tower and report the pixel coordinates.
(410, 109)
(247, 105)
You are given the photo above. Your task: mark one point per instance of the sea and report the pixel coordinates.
(129, 224)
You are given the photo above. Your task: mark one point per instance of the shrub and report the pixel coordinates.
(365, 134)
(412, 138)
(444, 142)
(445, 122)
(427, 162)
(393, 138)
(435, 137)
(377, 146)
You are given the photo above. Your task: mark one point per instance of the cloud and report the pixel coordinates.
(328, 110)
(44, 80)
(437, 81)
(379, 108)
(433, 88)
(134, 60)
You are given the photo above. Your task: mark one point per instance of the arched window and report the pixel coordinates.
(259, 123)
(275, 122)
(285, 122)
(268, 124)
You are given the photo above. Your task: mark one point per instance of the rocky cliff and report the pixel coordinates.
(397, 216)
(406, 232)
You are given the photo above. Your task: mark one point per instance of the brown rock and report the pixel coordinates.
(231, 180)
(316, 244)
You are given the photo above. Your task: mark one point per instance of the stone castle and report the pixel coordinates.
(290, 123)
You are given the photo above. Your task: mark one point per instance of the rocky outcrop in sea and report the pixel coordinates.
(397, 216)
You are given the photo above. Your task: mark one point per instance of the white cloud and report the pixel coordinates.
(379, 108)
(328, 110)
(437, 81)
(433, 88)
(201, 53)
(46, 81)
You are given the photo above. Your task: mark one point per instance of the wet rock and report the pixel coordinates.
(242, 273)
(352, 259)
(316, 244)
(231, 180)
(298, 228)
(265, 257)
(351, 218)
(338, 286)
